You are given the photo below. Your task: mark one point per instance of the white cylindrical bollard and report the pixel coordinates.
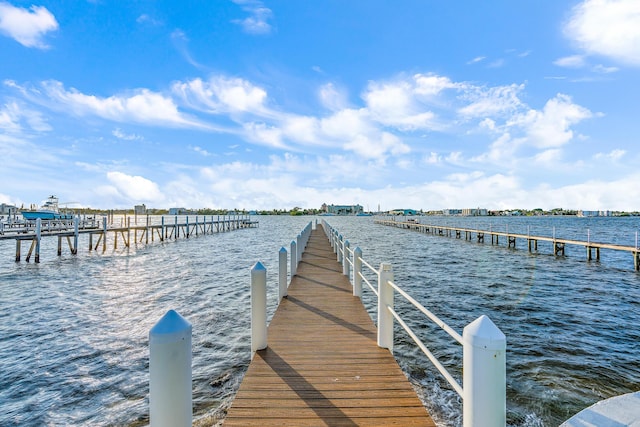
(385, 299)
(484, 374)
(357, 270)
(294, 262)
(170, 372)
(340, 248)
(258, 307)
(300, 247)
(282, 273)
(345, 260)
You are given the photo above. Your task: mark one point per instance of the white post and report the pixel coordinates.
(282, 273)
(258, 308)
(385, 299)
(294, 261)
(346, 270)
(38, 237)
(170, 372)
(484, 374)
(357, 270)
(300, 247)
(76, 232)
(339, 247)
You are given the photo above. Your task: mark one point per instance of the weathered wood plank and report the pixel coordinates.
(322, 365)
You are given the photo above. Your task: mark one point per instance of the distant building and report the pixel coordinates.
(342, 209)
(452, 212)
(593, 213)
(474, 212)
(7, 209)
(140, 209)
(178, 211)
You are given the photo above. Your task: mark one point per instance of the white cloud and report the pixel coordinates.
(430, 85)
(15, 117)
(551, 127)
(141, 106)
(393, 104)
(256, 23)
(27, 26)
(433, 158)
(573, 61)
(491, 101)
(124, 136)
(610, 28)
(135, 189)
(605, 70)
(476, 60)
(332, 98)
(146, 19)
(548, 158)
(201, 151)
(613, 155)
(222, 94)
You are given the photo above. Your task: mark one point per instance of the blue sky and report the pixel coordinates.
(275, 104)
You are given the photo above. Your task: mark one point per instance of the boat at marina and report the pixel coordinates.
(49, 210)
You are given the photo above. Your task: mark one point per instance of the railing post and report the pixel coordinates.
(385, 299)
(339, 248)
(357, 270)
(170, 372)
(484, 374)
(282, 273)
(346, 267)
(258, 308)
(76, 232)
(294, 262)
(300, 247)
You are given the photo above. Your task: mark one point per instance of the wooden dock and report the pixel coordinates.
(510, 239)
(322, 366)
(71, 231)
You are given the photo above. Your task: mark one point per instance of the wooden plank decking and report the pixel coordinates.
(322, 366)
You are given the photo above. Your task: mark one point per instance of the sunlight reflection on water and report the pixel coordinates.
(74, 329)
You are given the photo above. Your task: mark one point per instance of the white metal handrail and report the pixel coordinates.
(484, 345)
(457, 387)
(429, 314)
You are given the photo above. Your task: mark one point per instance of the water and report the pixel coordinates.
(74, 329)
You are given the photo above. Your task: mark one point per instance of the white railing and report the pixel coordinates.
(484, 346)
(259, 287)
(170, 375)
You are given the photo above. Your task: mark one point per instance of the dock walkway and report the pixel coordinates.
(322, 366)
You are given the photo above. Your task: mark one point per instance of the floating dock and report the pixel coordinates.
(322, 365)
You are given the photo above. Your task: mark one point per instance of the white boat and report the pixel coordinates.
(49, 210)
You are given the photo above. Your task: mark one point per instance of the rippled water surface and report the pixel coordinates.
(74, 329)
